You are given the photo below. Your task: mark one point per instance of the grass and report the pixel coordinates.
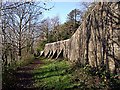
(60, 75)
(18, 63)
(8, 78)
(53, 75)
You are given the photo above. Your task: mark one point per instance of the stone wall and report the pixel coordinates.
(57, 48)
(96, 41)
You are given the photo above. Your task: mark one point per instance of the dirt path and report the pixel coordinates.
(24, 76)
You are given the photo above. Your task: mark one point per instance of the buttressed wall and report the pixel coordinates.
(96, 41)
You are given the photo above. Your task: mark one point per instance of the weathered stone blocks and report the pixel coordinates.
(96, 41)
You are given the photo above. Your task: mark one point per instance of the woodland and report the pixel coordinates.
(23, 35)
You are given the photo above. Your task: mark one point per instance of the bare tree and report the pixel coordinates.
(45, 27)
(19, 27)
(55, 22)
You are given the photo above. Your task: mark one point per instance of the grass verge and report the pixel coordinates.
(60, 75)
(53, 75)
(8, 77)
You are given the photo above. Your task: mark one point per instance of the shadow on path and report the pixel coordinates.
(24, 76)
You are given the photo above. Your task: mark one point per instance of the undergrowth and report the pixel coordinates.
(8, 77)
(61, 75)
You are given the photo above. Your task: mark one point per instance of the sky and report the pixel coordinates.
(62, 0)
(60, 9)
(63, 7)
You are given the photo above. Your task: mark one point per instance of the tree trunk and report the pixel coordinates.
(19, 51)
